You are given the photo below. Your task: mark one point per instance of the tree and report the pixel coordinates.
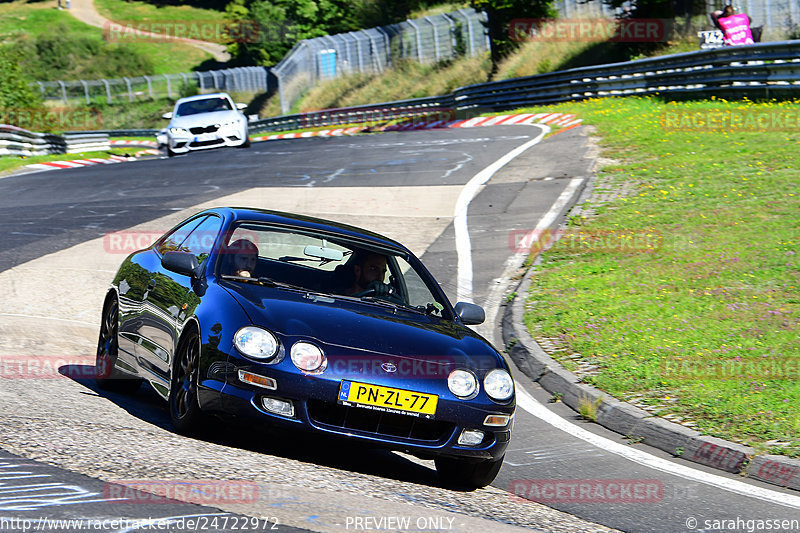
(16, 92)
(501, 13)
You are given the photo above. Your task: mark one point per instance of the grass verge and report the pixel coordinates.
(684, 291)
(10, 163)
(42, 18)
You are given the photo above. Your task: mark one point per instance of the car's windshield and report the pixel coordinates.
(206, 105)
(327, 264)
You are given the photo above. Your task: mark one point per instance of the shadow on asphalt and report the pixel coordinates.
(314, 448)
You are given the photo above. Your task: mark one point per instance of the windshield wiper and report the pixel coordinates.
(263, 280)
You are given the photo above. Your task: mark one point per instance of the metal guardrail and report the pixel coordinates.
(17, 141)
(766, 70)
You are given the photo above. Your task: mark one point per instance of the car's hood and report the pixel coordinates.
(204, 119)
(356, 329)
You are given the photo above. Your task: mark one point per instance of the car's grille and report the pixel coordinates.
(206, 143)
(379, 423)
(204, 129)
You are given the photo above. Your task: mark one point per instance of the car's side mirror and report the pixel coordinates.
(167, 116)
(470, 314)
(241, 106)
(182, 263)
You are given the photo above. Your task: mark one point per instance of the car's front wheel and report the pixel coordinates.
(463, 473)
(184, 409)
(106, 373)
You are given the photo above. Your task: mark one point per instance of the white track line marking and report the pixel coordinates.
(463, 244)
(529, 404)
(515, 261)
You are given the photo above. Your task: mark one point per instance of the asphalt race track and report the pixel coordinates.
(60, 250)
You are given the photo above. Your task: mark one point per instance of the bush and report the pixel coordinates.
(15, 86)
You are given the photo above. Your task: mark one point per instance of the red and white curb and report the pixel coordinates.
(562, 120)
(130, 142)
(75, 163)
(321, 133)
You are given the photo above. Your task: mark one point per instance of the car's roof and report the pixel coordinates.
(203, 97)
(307, 222)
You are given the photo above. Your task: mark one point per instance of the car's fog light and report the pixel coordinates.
(259, 381)
(279, 407)
(496, 421)
(470, 437)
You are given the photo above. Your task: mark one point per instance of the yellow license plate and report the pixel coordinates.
(388, 399)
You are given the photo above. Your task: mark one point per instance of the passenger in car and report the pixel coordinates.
(241, 258)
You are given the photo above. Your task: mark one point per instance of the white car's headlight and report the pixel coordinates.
(462, 383)
(178, 131)
(308, 357)
(256, 342)
(498, 385)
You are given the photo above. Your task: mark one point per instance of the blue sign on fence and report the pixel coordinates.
(327, 63)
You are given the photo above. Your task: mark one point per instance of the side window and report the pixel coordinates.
(201, 239)
(175, 239)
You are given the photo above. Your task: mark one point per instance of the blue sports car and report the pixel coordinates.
(303, 323)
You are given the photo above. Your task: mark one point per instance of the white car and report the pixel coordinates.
(202, 122)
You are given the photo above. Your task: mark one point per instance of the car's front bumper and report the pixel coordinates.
(224, 136)
(316, 409)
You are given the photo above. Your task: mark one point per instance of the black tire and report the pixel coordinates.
(466, 474)
(184, 409)
(107, 376)
(246, 143)
(170, 153)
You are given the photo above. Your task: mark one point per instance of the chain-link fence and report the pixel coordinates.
(778, 17)
(254, 79)
(426, 40)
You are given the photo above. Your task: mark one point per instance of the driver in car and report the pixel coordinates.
(369, 269)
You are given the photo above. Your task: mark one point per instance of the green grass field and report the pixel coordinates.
(133, 11)
(684, 292)
(42, 17)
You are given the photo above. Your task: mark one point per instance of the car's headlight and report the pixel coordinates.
(178, 131)
(498, 385)
(462, 383)
(308, 357)
(256, 342)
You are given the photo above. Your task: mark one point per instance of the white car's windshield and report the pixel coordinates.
(206, 105)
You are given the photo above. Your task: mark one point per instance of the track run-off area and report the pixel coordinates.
(459, 198)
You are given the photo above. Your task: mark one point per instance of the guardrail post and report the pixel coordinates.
(453, 40)
(169, 87)
(435, 38)
(108, 90)
(419, 40)
(63, 91)
(149, 87)
(41, 88)
(387, 48)
(185, 81)
(470, 32)
(85, 90)
(130, 93)
(214, 77)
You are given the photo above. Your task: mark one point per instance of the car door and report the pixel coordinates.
(172, 296)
